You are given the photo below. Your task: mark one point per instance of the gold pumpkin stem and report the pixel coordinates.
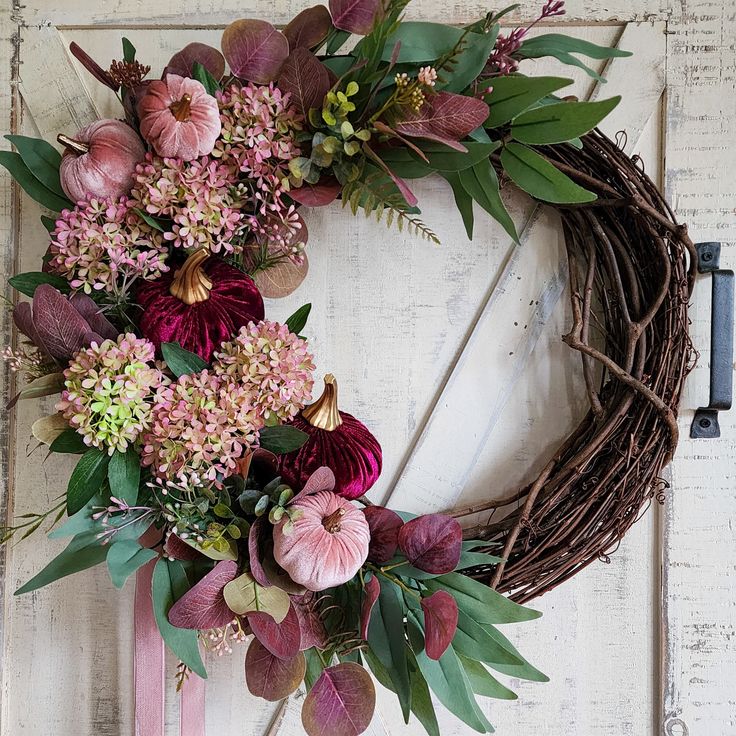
(181, 108)
(71, 145)
(324, 413)
(191, 284)
(332, 522)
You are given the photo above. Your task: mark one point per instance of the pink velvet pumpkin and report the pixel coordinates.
(179, 118)
(100, 160)
(336, 440)
(327, 543)
(199, 305)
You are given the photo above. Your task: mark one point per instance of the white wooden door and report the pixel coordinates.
(642, 645)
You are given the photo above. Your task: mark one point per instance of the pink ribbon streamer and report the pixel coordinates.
(150, 672)
(149, 659)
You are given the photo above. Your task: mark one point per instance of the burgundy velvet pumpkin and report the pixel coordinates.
(200, 305)
(336, 440)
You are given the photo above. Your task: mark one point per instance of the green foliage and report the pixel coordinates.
(155, 223)
(376, 194)
(297, 322)
(463, 66)
(124, 475)
(124, 558)
(515, 93)
(128, 51)
(463, 201)
(482, 682)
(86, 479)
(538, 177)
(181, 361)
(422, 43)
(27, 283)
(563, 48)
(202, 75)
(69, 442)
(42, 160)
(560, 122)
(169, 584)
(32, 186)
(282, 438)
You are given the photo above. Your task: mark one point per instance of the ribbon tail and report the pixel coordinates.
(191, 707)
(149, 660)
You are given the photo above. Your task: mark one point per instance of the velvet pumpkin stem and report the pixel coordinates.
(181, 109)
(324, 413)
(72, 145)
(332, 522)
(191, 284)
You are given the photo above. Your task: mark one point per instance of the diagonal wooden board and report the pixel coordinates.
(492, 360)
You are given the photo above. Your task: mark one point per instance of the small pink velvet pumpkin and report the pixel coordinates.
(100, 160)
(326, 544)
(179, 118)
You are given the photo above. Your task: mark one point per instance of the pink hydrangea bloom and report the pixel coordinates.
(200, 197)
(108, 391)
(103, 245)
(274, 363)
(201, 425)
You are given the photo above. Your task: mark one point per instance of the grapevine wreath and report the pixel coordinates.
(205, 465)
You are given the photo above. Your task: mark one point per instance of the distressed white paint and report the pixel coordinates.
(390, 316)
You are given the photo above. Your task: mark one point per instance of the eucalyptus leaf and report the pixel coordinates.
(538, 177)
(282, 439)
(181, 361)
(124, 558)
(13, 162)
(463, 201)
(472, 640)
(515, 93)
(168, 585)
(444, 159)
(523, 671)
(124, 474)
(245, 595)
(421, 700)
(42, 160)
(560, 122)
(421, 41)
(483, 682)
(469, 63)
(26, 283)
(86, 479)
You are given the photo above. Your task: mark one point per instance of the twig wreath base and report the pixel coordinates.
(631, 270)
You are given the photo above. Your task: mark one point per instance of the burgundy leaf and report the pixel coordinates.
(383, 128)
(254, 553)
(372, 590)
(91, 336)
(384, 525)
(305, 78)
(23, 318)
(323, 479)
(311, 628)
(440, 622)
(88, 309)
(282, 640)
(356, 16)
(402, 186)
(203, 606)
(178, 549)
(445, 117)
(270, 677)
(309, 28)
(432, 543)
(93, 67)
(211, 59)
(280, 578)
(341, 702)
(255, 50)
(316, 195)
(60, 327)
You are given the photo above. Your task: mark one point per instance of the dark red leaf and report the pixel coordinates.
(440, 622)
(323, 479)
(445, 117)
(401, 185)
(254, 552)
(178, 549)
(305, 78)
(270, 677)
(356, 16)
(210, 58)
(432, 543)
(282, 640)
(93, 67)
(372, 590)
(313, 632)
(316, 195)
(384, 525)
(203, 606)
(90, 311)
(255, 50)
(341, 702)
(58, 324)
(309, 28)
(23, 318)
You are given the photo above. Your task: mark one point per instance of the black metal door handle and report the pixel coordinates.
(705, 423)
